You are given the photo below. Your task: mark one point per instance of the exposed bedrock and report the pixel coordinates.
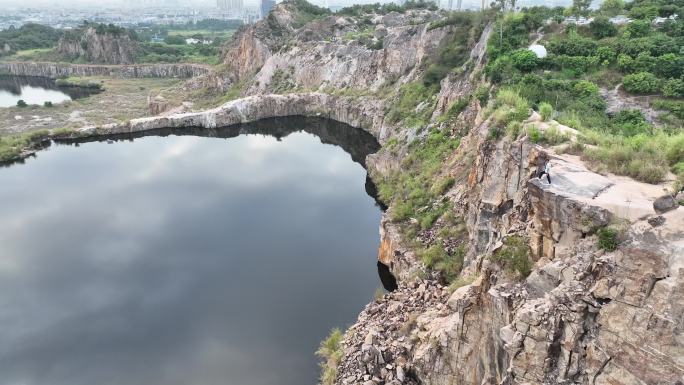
(582, 316)
(56, 70)
(365, 115)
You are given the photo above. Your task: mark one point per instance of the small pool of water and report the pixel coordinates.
(183, 260)
(36, 90)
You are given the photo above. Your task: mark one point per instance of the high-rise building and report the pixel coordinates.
(266, 7)
(233, 7)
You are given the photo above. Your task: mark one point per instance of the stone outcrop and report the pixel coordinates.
(343, 63)
(252, 45)
(98, 46)
(56, 70)
(250, 109)
(325, 54)
(582, 316)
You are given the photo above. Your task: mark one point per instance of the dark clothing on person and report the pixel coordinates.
(541, 174)
(543, 168)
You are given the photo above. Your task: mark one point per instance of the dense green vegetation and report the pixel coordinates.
(27, 37)
(175, 50)
(34, 42)
(306, 12)
(646, 59)
(385, 8)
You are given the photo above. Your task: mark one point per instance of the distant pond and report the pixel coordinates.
(37, 90)
(200, 257)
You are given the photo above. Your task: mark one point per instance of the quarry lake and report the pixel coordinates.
(36, 90)
(223, 258)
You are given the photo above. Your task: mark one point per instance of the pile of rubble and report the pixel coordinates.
(377, 347)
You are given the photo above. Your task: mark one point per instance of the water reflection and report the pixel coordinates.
(37, 90)
(184, 260)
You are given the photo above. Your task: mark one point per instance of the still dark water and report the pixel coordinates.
(185, 260)
(36, 90)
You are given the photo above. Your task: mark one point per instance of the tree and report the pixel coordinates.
(612, 7)
(638, 28)
(174, 40)
(581, 7)
(601, 27)
(641, 83)
(21, 103)
(524, 59)
(668, 66)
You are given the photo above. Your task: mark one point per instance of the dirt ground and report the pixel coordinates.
(121, 100)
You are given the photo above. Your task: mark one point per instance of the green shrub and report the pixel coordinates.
(460, 282)
(638, 28)
(455, 109)
(524, 60)
(673, 88)
(433, 255)
(534, 134)
(513, 130)
(606, 55)
(641, 83)
(482, 94)
(584, 88)
(509, 106)
(443, 185)
(436, 258)
(514, 256)
(601, 27)
(607, 238)
(47, 104)
(546, 111)
(21, 103)
(330, 350)
(612, 7)
(411, 95)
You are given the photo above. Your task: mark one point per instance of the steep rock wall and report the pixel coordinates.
(582, 316)
(98, 47)
(340, 62)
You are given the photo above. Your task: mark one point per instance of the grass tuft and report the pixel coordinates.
(330, 351)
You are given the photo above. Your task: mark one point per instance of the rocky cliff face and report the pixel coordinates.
(336, 52)
(248, 51)
(582, 315)
(95, 46)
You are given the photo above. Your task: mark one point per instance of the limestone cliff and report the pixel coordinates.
(98, 45)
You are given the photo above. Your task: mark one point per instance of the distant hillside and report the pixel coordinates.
(28, 36)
